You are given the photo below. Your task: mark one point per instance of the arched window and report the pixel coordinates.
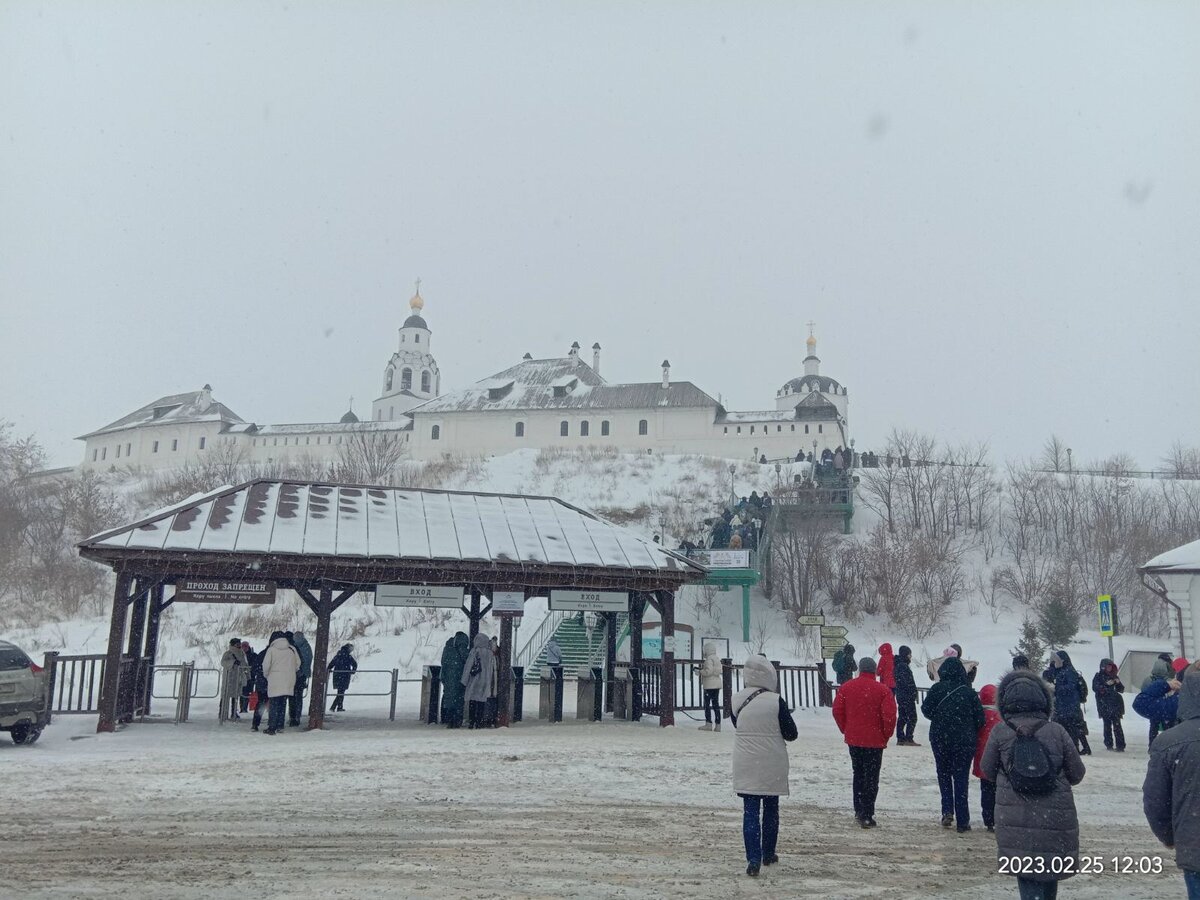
(604, 428)
(416, 339)
(820, 429)
(406, 379)
(806, 429)
(435, 433)
(564, 428)
(519, 430)
(387, 383)
(643, 427)
(584, 428)
(426, 382)
(752, 429)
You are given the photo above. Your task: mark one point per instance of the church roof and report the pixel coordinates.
(415, 321)
(814, 408)
(562, 383)
(812, 382)
(347, 417)
(174, 409)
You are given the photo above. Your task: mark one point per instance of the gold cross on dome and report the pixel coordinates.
(811, 325)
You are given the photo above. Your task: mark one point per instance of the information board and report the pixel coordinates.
(508, 603)
(440, 595)
(220, 590)
(590, 601)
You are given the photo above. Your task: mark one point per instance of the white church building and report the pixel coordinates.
(553, 402)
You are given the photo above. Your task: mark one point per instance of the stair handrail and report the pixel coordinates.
(538, 640)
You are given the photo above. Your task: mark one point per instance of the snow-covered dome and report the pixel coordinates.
(822, 383)
(348, 418)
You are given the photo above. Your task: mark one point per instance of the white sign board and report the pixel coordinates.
(447, 596)
(590, 601)
(508, 603)
(723, 559)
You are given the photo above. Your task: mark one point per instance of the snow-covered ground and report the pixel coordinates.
(373, 809)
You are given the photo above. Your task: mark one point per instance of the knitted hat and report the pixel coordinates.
(866, 664)
(1179, 665)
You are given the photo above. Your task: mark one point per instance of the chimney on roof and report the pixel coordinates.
(596, 357)
(573, 353)
(527, 356)
(205, 398)
(666, 374)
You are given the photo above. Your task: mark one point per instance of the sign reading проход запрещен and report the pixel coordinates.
(220, 590)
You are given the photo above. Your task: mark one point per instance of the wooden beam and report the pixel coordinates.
(112, 662)
(474, 616)
(637, 608)
(151, 650)
(309, 600)
(666, 605)
(610, 659)
(504, 680)
(342, 598)
(316, 687)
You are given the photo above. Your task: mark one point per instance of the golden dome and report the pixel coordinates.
(812, 341)
(417, 303)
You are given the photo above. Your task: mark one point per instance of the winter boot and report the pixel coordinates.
(707, 726)
(947, 820)
(717, 727)
(752, 870)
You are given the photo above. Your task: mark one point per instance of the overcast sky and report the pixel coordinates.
(991, 211)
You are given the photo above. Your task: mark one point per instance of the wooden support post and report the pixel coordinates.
(504, 678)
(151, 651)
(316, 687)
(666, 603)
(610, 660)
(727, 687)
(137, 622)
(474, 616)
(637, 607)
(112, 661)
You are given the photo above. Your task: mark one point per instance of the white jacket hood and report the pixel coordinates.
(759, 673)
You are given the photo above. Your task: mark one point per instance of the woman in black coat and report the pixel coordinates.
(1070, 692)
(343, 665)
(1107, 689)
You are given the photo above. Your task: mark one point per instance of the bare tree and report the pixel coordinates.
(1182, 461)
(370, 457)
(1054, 454)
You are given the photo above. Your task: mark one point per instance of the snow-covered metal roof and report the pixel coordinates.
(174, 409)
(533, 382)
(286, 518)
(1181, 559)
(400, 424)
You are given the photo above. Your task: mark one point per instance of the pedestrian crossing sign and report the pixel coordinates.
(1104, 607)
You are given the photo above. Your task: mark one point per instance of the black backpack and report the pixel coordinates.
(1029, 768)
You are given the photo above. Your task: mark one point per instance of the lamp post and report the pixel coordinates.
(1070, 466)
(589, 622)
(850, 464)
(732, 488)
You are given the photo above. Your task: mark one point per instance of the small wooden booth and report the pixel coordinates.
(328, 542)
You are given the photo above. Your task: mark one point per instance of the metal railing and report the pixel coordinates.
(800, 686)
(75, 683)
(394, 681)
(533, 647)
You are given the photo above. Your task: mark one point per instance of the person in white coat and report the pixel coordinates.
(710, 681)
(235, 669)
(280, 665)
(763, 724)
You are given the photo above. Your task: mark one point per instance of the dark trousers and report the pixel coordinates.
(476, 711)
(1114, 732)
(906, 719)
(556, 714)
(296, 701)
(954, 775)
(1037, 890)
(339, 702)
(1077, 729)
(987, 800)
(866, 762)
(712, 704)
(244, 706)
(278, 708)
(760, 836)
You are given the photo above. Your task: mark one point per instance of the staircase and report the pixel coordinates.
(570, 632)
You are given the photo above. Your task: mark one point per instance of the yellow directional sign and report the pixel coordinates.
(831, 631)
(810, 620)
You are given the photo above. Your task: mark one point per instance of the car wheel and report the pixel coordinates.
(24, 733)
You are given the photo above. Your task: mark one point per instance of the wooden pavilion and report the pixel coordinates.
(328, 542)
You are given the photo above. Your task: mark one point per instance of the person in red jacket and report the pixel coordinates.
(987, 789)
(865, 712)
(887, 665)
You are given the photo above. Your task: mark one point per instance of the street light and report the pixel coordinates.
(1070, 467)
(732, 489)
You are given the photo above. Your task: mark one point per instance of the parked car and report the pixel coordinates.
(23, 710)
